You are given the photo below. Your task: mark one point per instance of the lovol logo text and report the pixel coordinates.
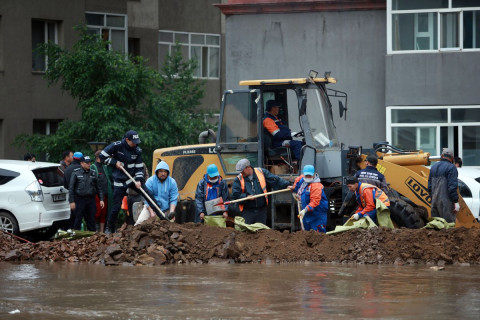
(419, 190)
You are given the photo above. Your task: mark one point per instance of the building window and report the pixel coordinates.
(433, 25)
(200, 47)
(432, 128)
(45, 126)
(42, 32)
(110, 27)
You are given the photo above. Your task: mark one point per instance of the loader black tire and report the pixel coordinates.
(404, 215)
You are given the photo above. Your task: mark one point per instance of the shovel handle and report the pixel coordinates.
(144, 193)
(299, 207)
(256, 196)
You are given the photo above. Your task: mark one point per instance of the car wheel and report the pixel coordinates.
(43, 234)
(8, 223)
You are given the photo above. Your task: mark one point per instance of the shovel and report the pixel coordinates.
(214, 206)
(253, 197)
(299, 206)
(144, 193)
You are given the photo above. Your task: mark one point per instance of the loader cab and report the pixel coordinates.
(241, 133)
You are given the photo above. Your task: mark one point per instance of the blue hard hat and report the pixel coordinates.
(77, 155)
(212, 171)
(308, 170)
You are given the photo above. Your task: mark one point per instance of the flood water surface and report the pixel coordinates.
(293, 291)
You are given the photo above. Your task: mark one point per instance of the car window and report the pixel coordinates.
(477, 179)
(464, 190)
(7, 175)
(49, 177)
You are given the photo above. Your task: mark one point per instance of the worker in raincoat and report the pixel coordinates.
(314, 202)
(442, 186)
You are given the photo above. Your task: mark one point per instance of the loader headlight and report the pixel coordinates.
(35, 191)
(313, 74)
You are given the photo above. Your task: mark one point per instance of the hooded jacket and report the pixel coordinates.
(202, 194)
(166, 192)
(312, 196)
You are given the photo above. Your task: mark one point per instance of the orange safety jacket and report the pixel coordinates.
(261, 179)
(366, 196)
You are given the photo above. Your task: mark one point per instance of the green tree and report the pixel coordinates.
(116, 93)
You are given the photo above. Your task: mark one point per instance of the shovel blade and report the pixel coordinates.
(214, 206)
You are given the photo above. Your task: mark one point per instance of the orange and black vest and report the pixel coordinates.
(261, 179)
(377, 193)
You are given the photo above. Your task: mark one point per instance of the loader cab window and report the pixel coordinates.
(288, 113)
(238, 132)
(239, 121)
(320, 120)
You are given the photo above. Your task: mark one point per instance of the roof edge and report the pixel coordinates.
(279, 6)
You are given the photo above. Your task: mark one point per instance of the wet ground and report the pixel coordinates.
(231, 291)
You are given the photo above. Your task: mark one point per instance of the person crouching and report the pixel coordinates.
(366, 195)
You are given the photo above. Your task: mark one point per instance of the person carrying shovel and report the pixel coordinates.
(212, 186)
(314, 202)
(125, 157)
(251, 182)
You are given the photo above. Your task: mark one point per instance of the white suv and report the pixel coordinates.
(32, 197)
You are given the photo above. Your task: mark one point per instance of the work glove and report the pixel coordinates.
(356, 216)
(456, 208)
(302, 213)
(286, 143)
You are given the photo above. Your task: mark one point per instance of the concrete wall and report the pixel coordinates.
(143, 24)
(24, 95)
(432, 79)
(352, 45)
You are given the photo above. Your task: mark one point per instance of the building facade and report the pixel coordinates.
(410, 68)
(139, 27)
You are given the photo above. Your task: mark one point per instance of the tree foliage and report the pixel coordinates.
(116, 93)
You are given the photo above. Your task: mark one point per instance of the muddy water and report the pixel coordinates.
(308, 291)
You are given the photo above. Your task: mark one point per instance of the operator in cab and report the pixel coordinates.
(281, 134)
(367, 196)
(314, 202)
(371, 175)
(252, 181)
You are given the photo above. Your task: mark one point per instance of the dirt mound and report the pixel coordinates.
(163, 242)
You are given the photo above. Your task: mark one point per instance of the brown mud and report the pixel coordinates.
(157, 243)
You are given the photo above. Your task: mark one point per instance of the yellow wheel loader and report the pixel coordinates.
(307, 111)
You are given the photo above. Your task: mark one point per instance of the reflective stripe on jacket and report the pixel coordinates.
(366, 195)
(261, 179)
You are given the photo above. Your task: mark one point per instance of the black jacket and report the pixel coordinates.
(371, 175)
(84, 184)
(253, 188)
(68, 172)
(130, 157)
